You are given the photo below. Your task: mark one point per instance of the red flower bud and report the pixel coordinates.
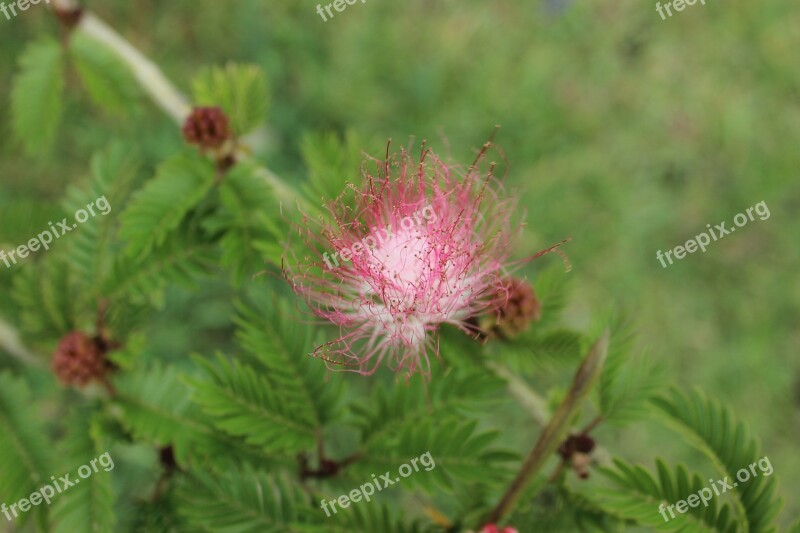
(80, 359)
(207, 127)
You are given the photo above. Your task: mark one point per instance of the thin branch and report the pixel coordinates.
(553, 434)
(159, 88)
(152, 80)
(525, 395)
(10, 343)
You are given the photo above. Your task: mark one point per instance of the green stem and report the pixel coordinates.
(555, 431)
(10, 343)
(159, 88)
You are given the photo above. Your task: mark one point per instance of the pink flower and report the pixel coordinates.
(491, 528)
(417, 248)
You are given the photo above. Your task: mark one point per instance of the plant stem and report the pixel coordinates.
(556, 429)
(158, 87)
(525, 395)
(11, 344)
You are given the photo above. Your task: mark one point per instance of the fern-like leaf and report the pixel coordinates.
(455, 393)
(240, 90)
(459, 455)
(157, 408)
(628, 381)
(280, 344)
(639, 497)
(160, 207)
(185, 256)
(365, 516)
(244, 403)
(91, 250)
(243, 501)
(87, 506)
(711, 428)
(23, 445)
(244, 199)
(107, 81)
(48, 297)
(36, 96)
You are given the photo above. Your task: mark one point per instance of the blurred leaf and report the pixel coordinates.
(156, 210)
(244, 198)
(92, 249)
(185, 256)
(36, 96)
(332, 163)
(628, 383)
(393, 410)
(455, 454)
(49, 300)
(23, 445)
(108, 82)
(240, 90)
(88, 505)
(712, 429)
(241, 502)
(640, 495)
(243, 403)
(371, 516)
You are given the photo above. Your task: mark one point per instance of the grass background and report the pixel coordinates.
(623, 131)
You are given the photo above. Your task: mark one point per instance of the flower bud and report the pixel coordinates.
(517, 307)
(80, 359)
(207, 127)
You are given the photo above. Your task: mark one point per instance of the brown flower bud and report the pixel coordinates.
(80, 359)
(207, 127)
(577, 451)
(68, 16)
(516, 308)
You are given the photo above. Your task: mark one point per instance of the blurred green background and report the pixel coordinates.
(625, 132)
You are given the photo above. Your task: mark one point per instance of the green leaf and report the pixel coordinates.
(240, 90)
(164, 202)
(87, 506)
(280, 343)
(639, 498)
(331, 164)
(36, 95)
(48, 298)
(244, 199)
(558, 508)
(455, 454)
(364, 516)
(23, 445)
(108, 82)
(241, 502)
(627, 383)
(157, 408)
(535, 349)
(186, 256)
(92, 248)
(244, 403)
(552, 286)
(712, 429)
(456, 393)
